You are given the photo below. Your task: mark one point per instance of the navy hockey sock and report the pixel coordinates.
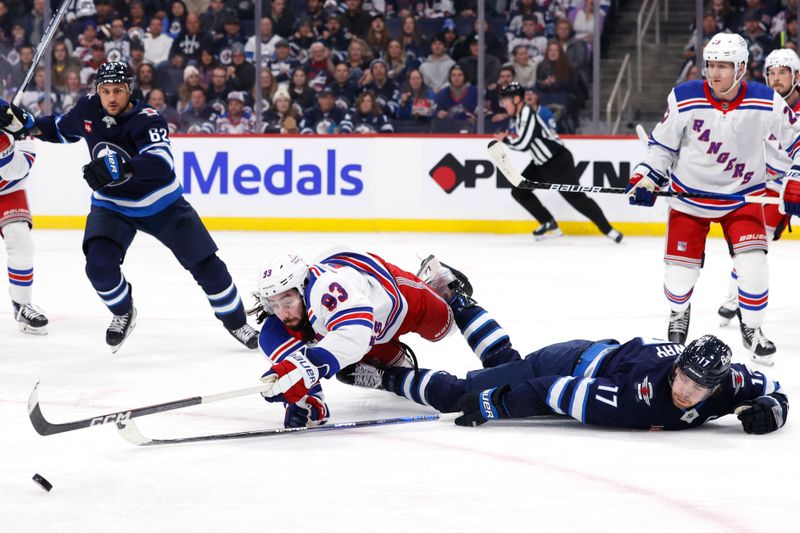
(433, 388)
(212, 275)
(103, 258)
(485, 336)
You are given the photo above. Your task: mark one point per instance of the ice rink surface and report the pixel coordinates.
(533, 475)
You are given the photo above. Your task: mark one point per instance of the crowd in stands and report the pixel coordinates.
(328, 66)
(766, 25)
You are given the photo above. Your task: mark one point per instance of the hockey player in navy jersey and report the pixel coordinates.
(640, 384)
(135, 189)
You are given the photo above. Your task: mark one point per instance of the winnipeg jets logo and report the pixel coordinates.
(690, 415)
(109, 121)
(738, 381)
(644, 391)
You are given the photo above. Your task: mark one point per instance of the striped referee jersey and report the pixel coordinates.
(534, 136)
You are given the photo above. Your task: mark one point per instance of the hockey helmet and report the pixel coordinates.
(728, 48)
(706, 361)
(282, 272)
(511, 90)
(112, 72)
(783, 57)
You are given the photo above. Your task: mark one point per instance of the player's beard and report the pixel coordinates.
(304, 328)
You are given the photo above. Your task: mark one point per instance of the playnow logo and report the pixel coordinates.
(282, 178)
(449, 173)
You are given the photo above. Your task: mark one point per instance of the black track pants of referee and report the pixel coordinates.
(560, 169)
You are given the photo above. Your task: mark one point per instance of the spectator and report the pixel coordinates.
(31, 94)
(136, 19)
(174, 23)
(230, 36)
(137, 54)
(532, 100)
(757, 9)
(156, 44)
(726, 17)
(356, 21)
(377, 35)
(219, 88)
(788, 37)
(497, 113)
(236, 120)
(582, 18)
(367, 116)
(412, 40)
(343, 87)
(157, 100)
(118, 46)
(417, 100)
(191, 40)
(433, 9)
(34, 22)
(459, 99)
(196, 117)
(436, 68)
(690, 73)
(555, 81)
(283, 18)
(62, 65)
(191, 81)
(315, 15)
(577, 50)
(39, 109)
(780, 20)
(385, 91)
(268, 41)
(358, 58)
(72, 92)
(399, 62)
(281, 116)
(19, 36)
(494, 43)
(302, 95)
(470, 64)
(85, 41)
(206, 65)
(268, 89)
(319, 66)
(758, 43)
(144, 82)
(532, 38)
(212, 18)
(524, 68)
(170, 75)
(6, 21)
(325, 117)
(303, 38)
(334, 36)
(97, 58)
(282, 64)
(104, 13)
(525, 8)
(241, 73)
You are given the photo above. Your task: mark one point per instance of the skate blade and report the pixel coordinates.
(30, 330)
(723, 322)
(115, 349)
(766, 360)
(549, 235)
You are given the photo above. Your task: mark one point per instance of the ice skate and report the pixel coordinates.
(120, 328)
(361, 375)
(727, 310)
(30, 319)
(247, 335)
(761, 348)
(548, 230)
(614, 235)
(679, 325)
(446, 281)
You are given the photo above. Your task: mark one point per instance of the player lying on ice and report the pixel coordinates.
(347, 307)
(641, 384)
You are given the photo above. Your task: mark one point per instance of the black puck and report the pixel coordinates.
(42, 482)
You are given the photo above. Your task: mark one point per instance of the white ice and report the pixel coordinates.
(546, 475)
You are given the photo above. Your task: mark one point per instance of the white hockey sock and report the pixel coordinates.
(19, 245)
(753, 286)
(678, 285)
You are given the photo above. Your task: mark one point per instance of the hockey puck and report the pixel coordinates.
(42, 482)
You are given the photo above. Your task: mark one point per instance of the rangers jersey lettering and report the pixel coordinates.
(713, 146)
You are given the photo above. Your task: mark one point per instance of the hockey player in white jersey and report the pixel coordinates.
(782, 68)
(348, 307)
(15, 227)
(712, 140)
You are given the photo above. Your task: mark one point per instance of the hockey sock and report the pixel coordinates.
(212, 275)
(19, 246)
(433, 388)
(678, 285)
(485, 336)
(103, 258)
(753, 280)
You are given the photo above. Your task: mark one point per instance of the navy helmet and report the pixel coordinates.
(706, 361)
(112, 72)
(511, 90)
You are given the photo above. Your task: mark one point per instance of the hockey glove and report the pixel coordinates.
(103, 170)
(640, 190)
(790, 193)
(765, 414)
(310, 411)
(15, 120)
(482, 407)
(292, 378)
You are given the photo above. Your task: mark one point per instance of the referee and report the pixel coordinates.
(551, 162)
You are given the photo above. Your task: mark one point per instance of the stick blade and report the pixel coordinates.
(35, 413)
(129, 431)
(503, 163)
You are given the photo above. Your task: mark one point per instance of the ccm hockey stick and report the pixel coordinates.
(505, 166)
(44, 427)
(47, 36)
(130, 432)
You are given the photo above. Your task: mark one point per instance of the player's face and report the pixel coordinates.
(289, 308)
(720, 75)
(114, 97)
(686, 393)
(780, 79)
(509, 104)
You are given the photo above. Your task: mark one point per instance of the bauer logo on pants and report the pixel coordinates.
(449, 173)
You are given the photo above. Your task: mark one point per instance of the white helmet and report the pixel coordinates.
(783, 57)
(282, 272)
(728, 48)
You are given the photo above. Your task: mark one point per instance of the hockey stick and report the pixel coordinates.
(43, 427)
(130, 432)
(47, 36)
(505, 166)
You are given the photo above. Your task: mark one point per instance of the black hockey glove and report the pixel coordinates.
(482, 407)
(15, 120)
(103, 170)
(765, 414)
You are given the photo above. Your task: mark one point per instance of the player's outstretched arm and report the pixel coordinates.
(484, 406)
(764, 414)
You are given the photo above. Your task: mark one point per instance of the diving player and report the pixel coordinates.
(347, 307)
(641, 384)
(15, 228)
(712, 138)
(135, 189)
